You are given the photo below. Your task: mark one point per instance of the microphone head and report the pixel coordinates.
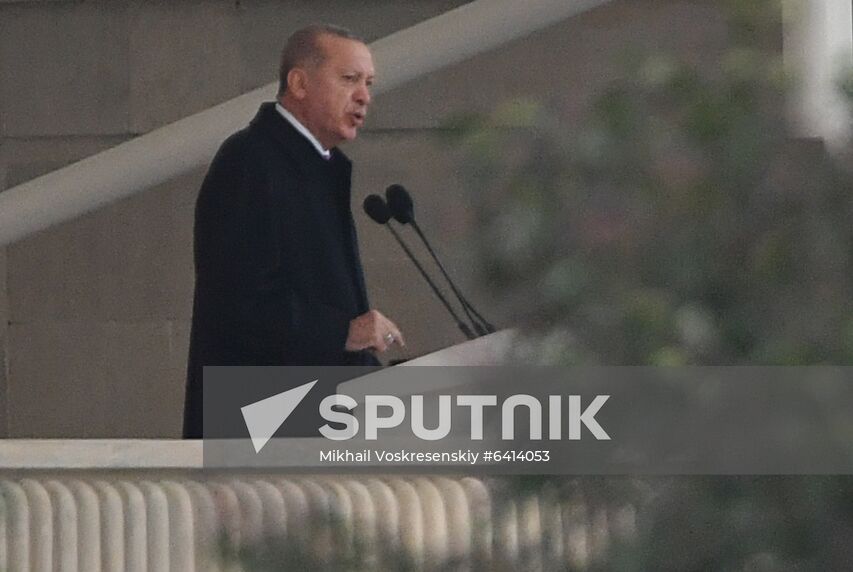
(400, 203)
(376, 209)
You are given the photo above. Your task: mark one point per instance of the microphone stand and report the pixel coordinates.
(463, 327)
(482, 329)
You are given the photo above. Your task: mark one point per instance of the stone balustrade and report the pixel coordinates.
(149, 505)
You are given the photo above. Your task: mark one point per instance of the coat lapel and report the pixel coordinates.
(304, 157)
(351, 236)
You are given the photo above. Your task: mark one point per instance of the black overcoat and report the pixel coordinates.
(278, 275)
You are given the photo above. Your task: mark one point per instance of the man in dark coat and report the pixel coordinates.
(278, 275)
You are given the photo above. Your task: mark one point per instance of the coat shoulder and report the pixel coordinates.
(237, 147)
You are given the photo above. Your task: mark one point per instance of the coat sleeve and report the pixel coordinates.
(239, 267)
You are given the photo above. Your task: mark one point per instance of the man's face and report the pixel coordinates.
(335, 95)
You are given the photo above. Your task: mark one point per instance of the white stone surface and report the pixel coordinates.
(134, 454)
(181, 526)
(157, 530)
(41, 526)
(411, 520)
(112, 525)
(135, 527)
(65, 523)
(154, 520)
(88, 525)
(17, 525)
(388, 518)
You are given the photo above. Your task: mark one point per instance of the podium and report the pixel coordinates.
(484, 351)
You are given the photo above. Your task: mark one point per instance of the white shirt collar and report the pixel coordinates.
(302, 129)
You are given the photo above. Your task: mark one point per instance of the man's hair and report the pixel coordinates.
(303, 48)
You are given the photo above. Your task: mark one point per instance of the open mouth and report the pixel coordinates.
(358, 118)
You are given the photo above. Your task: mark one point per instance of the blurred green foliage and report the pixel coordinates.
(678, 223)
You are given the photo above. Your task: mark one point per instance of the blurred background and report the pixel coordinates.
(94, 312)
(647, 182)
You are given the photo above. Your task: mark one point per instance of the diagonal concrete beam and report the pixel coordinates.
(179, 147)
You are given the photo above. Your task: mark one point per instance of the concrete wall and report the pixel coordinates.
(4, 328)
(98, 308)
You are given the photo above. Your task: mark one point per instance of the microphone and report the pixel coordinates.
(403, 210)
(377, 210)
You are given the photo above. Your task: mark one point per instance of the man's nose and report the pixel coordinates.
(362, 94)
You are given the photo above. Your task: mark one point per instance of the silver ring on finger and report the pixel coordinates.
(389, 338)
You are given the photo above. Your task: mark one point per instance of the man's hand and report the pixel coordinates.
(372, 331)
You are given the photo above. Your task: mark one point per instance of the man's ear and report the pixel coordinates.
(297, 82)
